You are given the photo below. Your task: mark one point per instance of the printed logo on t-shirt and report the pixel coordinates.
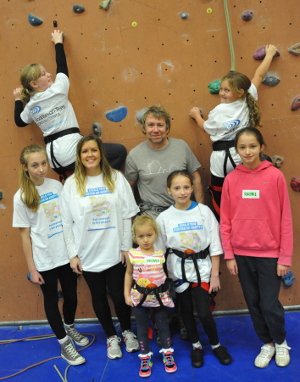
(152, 260)
(189, 240)
(100, 206)
(51, 210)
(100, 218)
(189, 226)
(230, 124)
(35, 110)
(250, 194)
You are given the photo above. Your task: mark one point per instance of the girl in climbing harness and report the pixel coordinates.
(238, 109)
(146, 287)
(46, 103)
(257, 238)
(97, 205)
(37, 215)
(190, 234)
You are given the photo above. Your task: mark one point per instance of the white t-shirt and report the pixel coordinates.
(48, 246)
(52, 112)
(97, 220)
(194, 229)
(223, 122)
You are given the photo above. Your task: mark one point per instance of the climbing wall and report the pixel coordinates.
(135, 54)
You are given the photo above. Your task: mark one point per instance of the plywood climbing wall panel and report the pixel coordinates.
(135, 54)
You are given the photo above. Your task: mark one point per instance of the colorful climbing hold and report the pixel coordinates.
(296, 103)
(247, 15)
(78, 8)
(104, 4)
(209, 10)
(288, 279)
(134, 24)
(261, 53)
(214, 87)
(277, 161)
(139, 115)
(117, 115)
(295, 49)
(35, 21)
(295, 183)
(271, 79)
(97, 129)
(184, 15)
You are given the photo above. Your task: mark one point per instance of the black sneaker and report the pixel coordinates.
(223, 356)
(197, 357)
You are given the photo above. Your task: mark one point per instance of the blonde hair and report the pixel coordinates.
(238, 82)
(29, 195)
(30, 73)
(144, 220)
(109, 174)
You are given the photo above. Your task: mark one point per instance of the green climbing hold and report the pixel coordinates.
(214, 87)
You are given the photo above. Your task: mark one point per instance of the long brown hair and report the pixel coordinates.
(109, 174)
(29, 195)
(30, 73)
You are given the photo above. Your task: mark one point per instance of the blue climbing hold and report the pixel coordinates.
(288, 279)
(28, 276)
(139, 115)
(35, 21)
(184, 15)
(117, 115)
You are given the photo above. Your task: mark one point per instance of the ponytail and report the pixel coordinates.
(254, 111)
(29, 195)
(30, 73)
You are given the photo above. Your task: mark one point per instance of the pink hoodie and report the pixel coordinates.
(256, 214)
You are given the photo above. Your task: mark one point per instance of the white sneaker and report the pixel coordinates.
(282, 357)
(113, 348)
(77, 337)
(131, 342)
(264, 357)
(70, 354)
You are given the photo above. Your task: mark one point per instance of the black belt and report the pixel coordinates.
(225, 145)
(53, 137)
(149, 291)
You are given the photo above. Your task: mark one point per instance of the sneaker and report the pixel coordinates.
(131, 342)
(223, 356)
(146, 364)
(74, 335)
(168, 359)
(113, 347)
(282, 356)
(197, 357)
(264, 357)
(70, 354)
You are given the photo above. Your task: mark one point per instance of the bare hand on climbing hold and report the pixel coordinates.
(57, 36)
(36, 277)
(195, 112)
(271, 50)
(282, 270)
(17, 93)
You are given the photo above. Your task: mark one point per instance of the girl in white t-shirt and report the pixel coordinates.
(37, 214)
(190, 233)
(46, 103)
(238, 109)
(97, 205)
(145, 271)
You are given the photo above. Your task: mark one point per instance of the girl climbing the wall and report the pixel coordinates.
(238, 109)
(97, 205)
(190, 233)
(46, 103)
(145, 271)
(37, 214)
(257, 238)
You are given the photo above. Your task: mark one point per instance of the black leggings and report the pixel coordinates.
(113, 278)
(68, 282)
(202, 299)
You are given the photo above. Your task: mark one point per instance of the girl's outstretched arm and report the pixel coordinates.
(263, 68)
(128, 283)
(61, 61)
(196, 115)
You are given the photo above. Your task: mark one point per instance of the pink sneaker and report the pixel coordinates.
(170, 365)
(145, 370)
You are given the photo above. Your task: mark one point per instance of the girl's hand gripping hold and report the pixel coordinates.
(17, 93)
(57, 36)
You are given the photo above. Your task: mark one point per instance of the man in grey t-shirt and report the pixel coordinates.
(149, 163)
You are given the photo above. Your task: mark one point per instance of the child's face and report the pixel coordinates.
(249, 149)
(145, 236)
(181, 189)
(43, 82)
(37, 167)
(226, 93)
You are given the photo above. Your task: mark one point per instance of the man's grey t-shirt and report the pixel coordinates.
(151, 168)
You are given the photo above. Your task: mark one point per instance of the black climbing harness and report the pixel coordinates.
(150, 291)
(225, 145)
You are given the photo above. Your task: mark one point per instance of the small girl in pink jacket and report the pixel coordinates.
(257, 238)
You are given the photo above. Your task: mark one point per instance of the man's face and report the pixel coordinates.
(156, 131)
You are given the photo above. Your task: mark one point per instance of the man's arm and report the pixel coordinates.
(198, 187)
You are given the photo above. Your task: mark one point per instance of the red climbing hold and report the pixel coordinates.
(296, 103)
(295, 183)
(247, 15)
(261, 52)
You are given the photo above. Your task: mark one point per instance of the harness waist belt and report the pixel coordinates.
(144, 206)
(149, 291)
(225, 145)
(53, 137)
(200, 255)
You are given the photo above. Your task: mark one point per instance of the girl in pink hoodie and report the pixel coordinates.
(257, 238)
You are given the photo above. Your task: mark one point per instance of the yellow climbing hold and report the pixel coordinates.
(134, 24)
(209, 10)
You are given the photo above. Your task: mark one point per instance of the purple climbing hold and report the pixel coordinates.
(261, 53)
(35, 21)
(247, 15)
(296, 103)
(78, 8)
